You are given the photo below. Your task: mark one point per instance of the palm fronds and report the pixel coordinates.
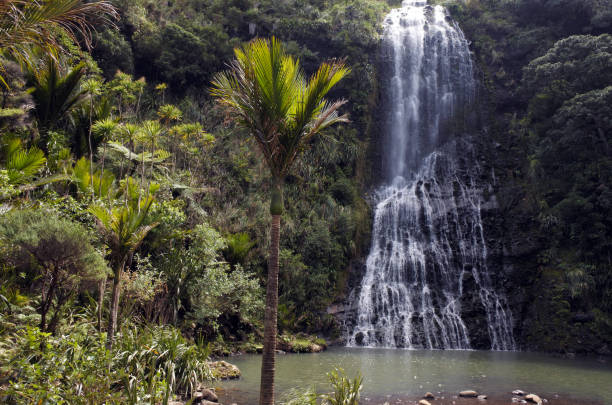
(29, 24)
(268, 92)
(22, 164)
(55, 93)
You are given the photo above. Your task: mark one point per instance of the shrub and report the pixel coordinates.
(55, 253)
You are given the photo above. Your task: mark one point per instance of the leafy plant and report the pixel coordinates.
(346, 391)
(57, 254)
(25, 25)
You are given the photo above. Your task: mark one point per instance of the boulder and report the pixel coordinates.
(209, 395)
(534, 399)
(224, 370)
(429, 395)
(424, 402)
(315, 348)
(468, 394)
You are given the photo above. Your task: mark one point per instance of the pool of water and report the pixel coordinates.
(403, 376)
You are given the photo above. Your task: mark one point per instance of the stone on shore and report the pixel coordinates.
(429, 395)
(468, 394)
(518, 392)
(224, 370)
(209, 395)
(424, 402)
(534, 399)
(482, 397)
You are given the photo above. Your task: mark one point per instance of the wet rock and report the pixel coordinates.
(534, 399)
(209, 395)
(468, 394)
(424, 402)
(482, 397)
(429, 395)
(518, 392)
(224, 370)
(315, 348)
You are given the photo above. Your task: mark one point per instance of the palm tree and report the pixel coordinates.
(29, 24)
(104, 130)
(124, 228)
(55, 93)
(21, 164)
(269, 95)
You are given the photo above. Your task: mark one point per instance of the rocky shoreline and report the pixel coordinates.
(467, 397)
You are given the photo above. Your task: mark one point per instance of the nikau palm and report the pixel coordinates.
(124, 228)
(28, 24)
(268, 93)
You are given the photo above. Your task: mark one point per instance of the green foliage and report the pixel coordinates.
(238, 247)
(552, 156)
(570, 112)
(579, 60)
(29, 26)
(55, 92)
(267, 85)
(113, 52)
(346, 391)
(160, 356)
(56, 256)
(148, 365)
(21, 164)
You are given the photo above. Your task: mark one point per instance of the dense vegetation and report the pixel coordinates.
(128, 194)
(546, 69)
(133, 205)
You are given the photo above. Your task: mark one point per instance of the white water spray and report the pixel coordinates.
(428, 232)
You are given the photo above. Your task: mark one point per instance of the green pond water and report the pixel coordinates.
(403, 376)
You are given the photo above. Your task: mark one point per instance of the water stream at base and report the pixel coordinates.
(403, 376)
(428, 240)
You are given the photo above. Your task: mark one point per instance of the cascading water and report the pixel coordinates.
(428, 240)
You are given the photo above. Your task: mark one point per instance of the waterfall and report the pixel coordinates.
(428, 244)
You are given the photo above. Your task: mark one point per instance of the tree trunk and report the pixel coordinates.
(101, 288)
(266, 393)
(112, 324)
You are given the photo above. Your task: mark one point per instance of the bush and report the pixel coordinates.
(147, 365)
(55, 254)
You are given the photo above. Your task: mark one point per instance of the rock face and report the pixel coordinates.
(224, 370)
(468, 394)
(534, 399)
(209, 395)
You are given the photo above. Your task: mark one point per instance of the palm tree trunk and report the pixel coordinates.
(90, 144)
(102, 172)
(266, 393)
(112, 324)
(101, 288)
